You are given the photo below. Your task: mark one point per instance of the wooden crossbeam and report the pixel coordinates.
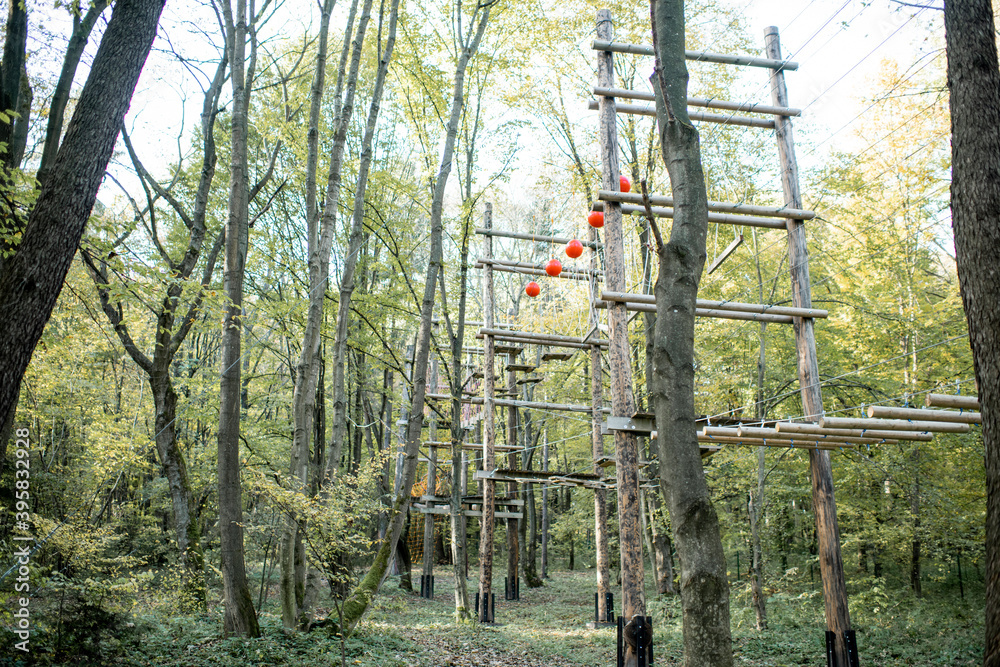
(704, 312)
(537, 238)
(705, 117)
(803, 427)
(885, 411)
(445, 509)
(748, 107)
(714, 206)
(699, 56)
(721, 218)
(949, 401)
(756, 432)
(894, 425)
(775, 442)
(735, 306)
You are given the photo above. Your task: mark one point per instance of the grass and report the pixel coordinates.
(547, 628)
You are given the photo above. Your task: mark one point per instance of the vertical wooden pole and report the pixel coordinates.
(513, 548)
(622, 401)
(428, 566)
(489, 431)
(830, 562)
(545, 504)
(597, 444)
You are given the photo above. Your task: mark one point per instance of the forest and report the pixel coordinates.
(460, 332)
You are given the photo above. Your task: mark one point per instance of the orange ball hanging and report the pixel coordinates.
(626, 185)
(596, 219)
(532, 289)
(574, 248)
(553, 268)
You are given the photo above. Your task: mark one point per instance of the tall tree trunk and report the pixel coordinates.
(662, 547)
(239, 618)
(915, 526)
(704, 586)
(974, 84)
(31, 281)
(357, 604)
(14, 46)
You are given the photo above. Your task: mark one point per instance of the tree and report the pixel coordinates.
(239, 618)
(974, 84)
(31, 282)
(704, 585)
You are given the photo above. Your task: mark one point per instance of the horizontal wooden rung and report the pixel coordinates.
(715, 206)
(704, 312)
(747, 107)
(700, 56)
(720, 218)
(735, 306)
(757, 432)
(894, 425)
(537, 238)
(950, 401)
(557, 356)
(890, 412)
(805, 427)
(703, 116)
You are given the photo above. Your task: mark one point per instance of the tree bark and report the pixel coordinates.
(704, 585)
(30, 283)
(974, 84)
(14, 47)
(239, 617)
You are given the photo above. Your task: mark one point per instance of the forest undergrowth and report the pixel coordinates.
(547, 627)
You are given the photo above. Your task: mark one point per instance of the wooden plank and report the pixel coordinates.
(703, 116)
(445, 509)
(530, 380)
(949, 401)
(700, 56)
(890, 412)
(542, 338)
(506, 268)
(800, 427)
(748, 107)
(500, 348)
(736, 208)
(777, 442)
(521, 368)
(536, 405)
(557, 356)
(894, 425)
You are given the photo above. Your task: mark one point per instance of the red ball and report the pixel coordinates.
(532, 289)
(626, 184)
(553, 268)
(596, 219)
(574, 248)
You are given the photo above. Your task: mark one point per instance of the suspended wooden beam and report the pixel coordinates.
(730, 249)
(949, 401)
(757, 432)
(748, 107)
(557, 356)
(714, 206)
(703, 116)
(445, 509)
(775, 442)
(721, 218)
(532, 271)
(567, 271)
(803, 427)
(894, 425)
(722, 305)
(542, 338)
(705, 312)
(700, 56)
(537, 238)
(886, 411)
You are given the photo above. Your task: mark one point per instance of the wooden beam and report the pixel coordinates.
(715, 206)
(949, 401)
(700, 56)
(488, 521)
(801, 427)
(724, 255)
(543, 337)
(889, 412)
(703, 116)
(756, 432)
(721, 218)
(537, 238)
(748, 107)
(776, 442)
(705, 312)
(722, 305)
(894, 425)
(535, 405)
